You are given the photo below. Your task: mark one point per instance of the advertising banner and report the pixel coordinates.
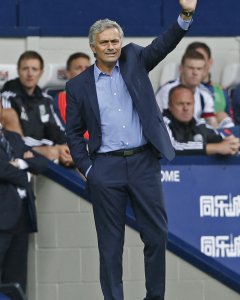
(203, 205)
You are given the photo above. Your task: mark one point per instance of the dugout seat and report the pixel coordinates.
(230, 75)
(168, 72)
(54, 79)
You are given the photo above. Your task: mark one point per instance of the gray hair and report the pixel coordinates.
(99, 26)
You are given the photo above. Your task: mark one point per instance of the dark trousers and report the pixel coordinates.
(13, 257)
(112, 181)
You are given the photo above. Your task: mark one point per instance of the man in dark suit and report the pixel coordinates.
(114, 101)
(17, 208)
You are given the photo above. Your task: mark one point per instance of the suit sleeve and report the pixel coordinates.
(37, 165)
(75, 129)
(162, 46)
(10, 174)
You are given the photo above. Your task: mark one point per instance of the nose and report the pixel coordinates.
(195, 72)
(110, 46)
(30, 72)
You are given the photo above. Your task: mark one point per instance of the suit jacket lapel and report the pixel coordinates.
(129, 81)
(92, 93)
(123, 66)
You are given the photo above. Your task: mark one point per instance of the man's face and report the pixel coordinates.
(182, 105)
(77, 66)
(29, 73)
(191, 72)
(208, 62)
(107, 48)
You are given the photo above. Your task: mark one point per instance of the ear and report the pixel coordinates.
(210, 62)
(93, 49)
(41, 72)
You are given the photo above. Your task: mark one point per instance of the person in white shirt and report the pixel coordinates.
(191, 73)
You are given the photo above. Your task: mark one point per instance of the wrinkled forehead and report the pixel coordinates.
(108, 34)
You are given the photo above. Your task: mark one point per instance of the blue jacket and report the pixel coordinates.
(82, 105)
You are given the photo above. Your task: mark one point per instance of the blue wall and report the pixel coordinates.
(138, 17)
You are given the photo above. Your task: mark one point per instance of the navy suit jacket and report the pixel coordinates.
(135, 64)
(10, 178)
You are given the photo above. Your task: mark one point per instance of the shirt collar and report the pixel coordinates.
(98, 72)
(17, 87)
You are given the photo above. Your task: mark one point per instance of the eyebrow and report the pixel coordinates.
(113, 40)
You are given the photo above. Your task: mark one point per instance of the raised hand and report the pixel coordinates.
(188, 5)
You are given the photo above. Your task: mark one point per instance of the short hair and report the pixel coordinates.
(76, 56)
(192, 54)
(175, 88)
(99, 26)
(197, 45)
(30, 55)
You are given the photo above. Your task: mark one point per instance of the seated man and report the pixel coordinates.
(17, 204)
(38, 121)
(191, 74)
(191, 136)
(222, 102)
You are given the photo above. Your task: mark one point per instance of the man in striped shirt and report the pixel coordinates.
(39, 123)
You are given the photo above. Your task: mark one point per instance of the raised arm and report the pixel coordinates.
(166, 42)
